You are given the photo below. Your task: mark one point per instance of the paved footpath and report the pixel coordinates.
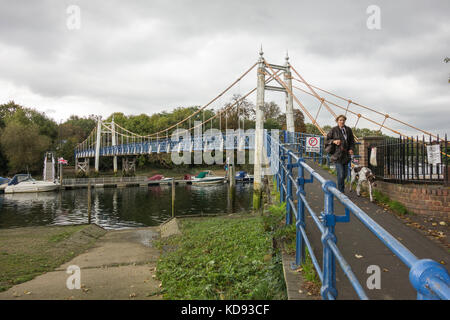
(355, 239)
(121, 265)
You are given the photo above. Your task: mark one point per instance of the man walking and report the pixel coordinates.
(340, 143)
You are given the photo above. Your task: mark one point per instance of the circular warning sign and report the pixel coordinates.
(313, 142)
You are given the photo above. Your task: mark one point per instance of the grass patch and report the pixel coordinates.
(309, 272)
(395, 206)
(28, 252)
(327, 168)
(221, 258)
(61, 236)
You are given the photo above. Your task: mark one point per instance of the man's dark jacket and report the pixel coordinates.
(340, 153)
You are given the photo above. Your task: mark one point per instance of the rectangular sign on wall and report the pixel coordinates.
(434, 154)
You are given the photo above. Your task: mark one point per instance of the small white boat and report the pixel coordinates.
(3, 184)
(25, 183)
(206, 177)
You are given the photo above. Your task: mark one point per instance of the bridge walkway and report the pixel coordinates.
(361, 248)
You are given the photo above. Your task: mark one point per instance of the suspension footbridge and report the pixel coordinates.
(110, 139)
(288, 165)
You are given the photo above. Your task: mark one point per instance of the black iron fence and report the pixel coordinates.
(409, 159)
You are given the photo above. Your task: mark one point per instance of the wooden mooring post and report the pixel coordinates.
(89, 201)
(231, 186)
(173, 197)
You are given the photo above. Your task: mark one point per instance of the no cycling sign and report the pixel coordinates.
(313, 144)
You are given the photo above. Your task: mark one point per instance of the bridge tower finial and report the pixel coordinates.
(287, 58)
(261, 53)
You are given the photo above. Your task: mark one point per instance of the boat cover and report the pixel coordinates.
(156, 177)
(202, 174)
(241, 174)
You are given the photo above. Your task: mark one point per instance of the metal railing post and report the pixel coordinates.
(289, 189)
(300, 219)
(278, 181)
(328, 290)
(282, 175)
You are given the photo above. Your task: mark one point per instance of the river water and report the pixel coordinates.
(118, 208)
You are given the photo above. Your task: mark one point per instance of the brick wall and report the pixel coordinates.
(427, 200)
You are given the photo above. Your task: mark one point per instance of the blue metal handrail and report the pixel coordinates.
(430, 279)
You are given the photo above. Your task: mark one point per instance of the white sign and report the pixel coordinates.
(434, 154)
(373, 157)
(312, 144)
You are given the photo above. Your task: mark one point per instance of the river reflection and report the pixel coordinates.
(117, 208)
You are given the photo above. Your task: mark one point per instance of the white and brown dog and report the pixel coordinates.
(361, 174)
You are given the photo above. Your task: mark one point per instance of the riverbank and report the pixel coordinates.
(26, 253)
(117, 265)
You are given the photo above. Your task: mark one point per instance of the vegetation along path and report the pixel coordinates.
(228, 257)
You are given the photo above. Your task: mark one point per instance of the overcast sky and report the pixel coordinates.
(147, 56)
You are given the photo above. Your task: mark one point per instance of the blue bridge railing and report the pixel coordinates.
(239, 140)
(430, 279)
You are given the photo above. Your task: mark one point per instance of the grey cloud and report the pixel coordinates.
(146, 56)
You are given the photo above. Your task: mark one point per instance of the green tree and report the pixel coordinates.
(312, 129)
(23, 146)
(242, 115)
(299, 121)
(271, 110)
(73, 131)
(27, 118)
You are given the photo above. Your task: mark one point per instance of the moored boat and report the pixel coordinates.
(207, 177)
(25, 183)
(159, 177)
(3, 183)
(243, 176)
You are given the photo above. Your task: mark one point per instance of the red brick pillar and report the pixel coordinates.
(363, 148)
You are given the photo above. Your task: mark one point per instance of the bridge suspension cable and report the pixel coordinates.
(206, 105)
(220, 112)
(357, 114)
(350, 102)
(374, 122)
(90, 141)
(166, 130)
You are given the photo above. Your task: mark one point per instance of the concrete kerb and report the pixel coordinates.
(169, 228)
